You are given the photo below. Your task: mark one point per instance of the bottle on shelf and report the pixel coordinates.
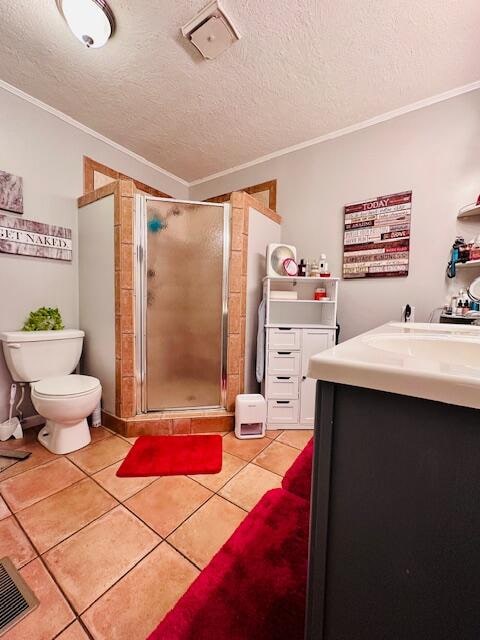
(323, 266)
(314, 269)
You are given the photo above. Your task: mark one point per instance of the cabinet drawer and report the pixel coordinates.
(283, 363)
(282, 412)
(284, 339)
(282, 387)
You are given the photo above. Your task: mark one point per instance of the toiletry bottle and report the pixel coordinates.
(302, 268)
(323, 266)
(314, 269)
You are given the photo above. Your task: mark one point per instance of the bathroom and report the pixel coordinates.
(297, 159)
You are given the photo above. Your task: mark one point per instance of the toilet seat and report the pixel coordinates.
(71, 386)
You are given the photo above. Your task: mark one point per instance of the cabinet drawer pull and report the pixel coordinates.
(284, 353)
(283, 401)
(283, 377)
(284, 328)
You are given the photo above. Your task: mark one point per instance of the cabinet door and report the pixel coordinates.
(313, 341)
(307, 402)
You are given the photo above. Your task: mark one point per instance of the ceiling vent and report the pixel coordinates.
(211, 31)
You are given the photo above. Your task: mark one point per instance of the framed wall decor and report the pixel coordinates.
(11, 192)
(377, 237)
(36, 239)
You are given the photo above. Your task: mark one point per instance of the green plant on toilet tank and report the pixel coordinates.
(44, 319)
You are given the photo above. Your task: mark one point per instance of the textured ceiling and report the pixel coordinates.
(303, 68)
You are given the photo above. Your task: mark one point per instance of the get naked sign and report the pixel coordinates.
(30, 238)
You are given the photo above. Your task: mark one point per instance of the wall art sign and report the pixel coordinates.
(11, 192)
(377, 237)
(30, 238)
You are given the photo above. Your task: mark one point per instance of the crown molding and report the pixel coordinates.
(389, 115)
(74, 123)
(384, 117)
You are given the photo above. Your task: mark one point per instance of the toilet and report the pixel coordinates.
(46, 359)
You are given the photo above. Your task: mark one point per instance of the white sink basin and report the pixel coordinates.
(451, 350)
(437, 362)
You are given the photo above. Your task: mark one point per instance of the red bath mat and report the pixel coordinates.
(173, 456)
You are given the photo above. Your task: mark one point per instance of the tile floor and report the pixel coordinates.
(108, 556)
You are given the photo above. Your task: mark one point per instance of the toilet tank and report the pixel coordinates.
(33, 355)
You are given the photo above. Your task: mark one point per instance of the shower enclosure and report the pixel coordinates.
(181, 303)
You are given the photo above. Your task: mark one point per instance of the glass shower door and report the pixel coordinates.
(185, 289)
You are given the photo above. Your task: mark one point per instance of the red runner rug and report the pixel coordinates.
(254, 588)
(173, 456)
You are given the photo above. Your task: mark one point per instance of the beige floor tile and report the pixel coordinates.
(277, 457)
(92, 560)
(100, 454)
(24, 490)
(273, 433)
(121, 488)
(50, 521)
(74, 632)
(249, 485)
(206, 531)
(39, 455)
(245, 449)
(215, 481)
(99, 433)
(14, 543)
(52, 614)
(4, 510)
(297, 438)
(132, 608)
(168, 502)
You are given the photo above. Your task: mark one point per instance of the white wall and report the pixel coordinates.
(96, 284)
(48, 153)
(261, 231)
(434, 151)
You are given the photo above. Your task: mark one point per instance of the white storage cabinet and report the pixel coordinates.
(295, 330)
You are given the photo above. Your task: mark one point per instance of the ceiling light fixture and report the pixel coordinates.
(91, 21)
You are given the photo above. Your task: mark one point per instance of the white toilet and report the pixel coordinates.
(45, 359)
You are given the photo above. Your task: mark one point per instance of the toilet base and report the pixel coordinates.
(61, 438)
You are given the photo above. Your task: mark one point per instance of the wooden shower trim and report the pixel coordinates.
(123, 192)
(90, 166)
(270, 186)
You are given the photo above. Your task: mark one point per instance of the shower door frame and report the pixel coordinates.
(141, 257)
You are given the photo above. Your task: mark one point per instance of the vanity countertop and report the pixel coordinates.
(433, 361)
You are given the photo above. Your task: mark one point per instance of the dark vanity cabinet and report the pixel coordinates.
(395, 523)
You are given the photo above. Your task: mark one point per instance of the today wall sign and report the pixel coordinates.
(36, 239)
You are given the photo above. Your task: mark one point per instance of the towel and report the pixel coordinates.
(260, 370)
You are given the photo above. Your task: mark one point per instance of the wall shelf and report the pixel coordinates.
(471, 264)
(469, 211)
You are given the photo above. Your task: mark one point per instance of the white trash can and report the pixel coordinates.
(250, 415)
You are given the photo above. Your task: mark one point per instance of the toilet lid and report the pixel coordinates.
(71, 385)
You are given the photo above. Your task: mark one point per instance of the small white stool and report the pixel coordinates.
(250, 415)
